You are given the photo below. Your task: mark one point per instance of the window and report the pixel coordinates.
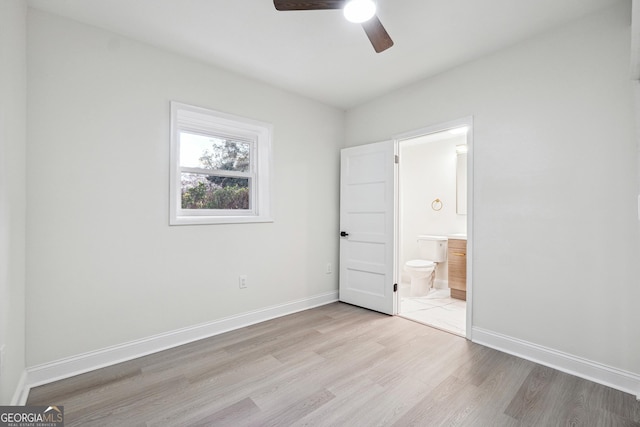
(219, 167)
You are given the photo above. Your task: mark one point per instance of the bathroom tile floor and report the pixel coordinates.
(436, 309)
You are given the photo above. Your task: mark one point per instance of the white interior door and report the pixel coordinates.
(367, 206)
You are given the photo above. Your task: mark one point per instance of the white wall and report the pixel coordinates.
(555, 212)
(13, 16)
(428, 172)
(104, 265)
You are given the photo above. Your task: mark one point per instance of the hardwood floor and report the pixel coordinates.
(335, 365)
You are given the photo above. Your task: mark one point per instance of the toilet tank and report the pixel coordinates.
(432, 248)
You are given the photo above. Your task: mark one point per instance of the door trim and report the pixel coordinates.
(440, 127)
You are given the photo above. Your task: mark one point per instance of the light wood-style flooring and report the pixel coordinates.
(335, 365)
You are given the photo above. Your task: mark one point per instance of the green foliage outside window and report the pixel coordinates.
(219, 192)
(210, 196)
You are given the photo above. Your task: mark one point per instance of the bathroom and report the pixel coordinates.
(433, 217)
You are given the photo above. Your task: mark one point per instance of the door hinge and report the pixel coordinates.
(397, 159)
(395, 287)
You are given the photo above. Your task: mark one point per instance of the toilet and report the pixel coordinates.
(431, 250)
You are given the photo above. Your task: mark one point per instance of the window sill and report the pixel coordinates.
(203, 220)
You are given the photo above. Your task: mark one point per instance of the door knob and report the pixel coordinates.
(344, 234)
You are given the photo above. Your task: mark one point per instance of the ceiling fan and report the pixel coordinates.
(359, 11)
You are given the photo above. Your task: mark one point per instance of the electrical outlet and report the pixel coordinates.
(329, 268)
(242, 282)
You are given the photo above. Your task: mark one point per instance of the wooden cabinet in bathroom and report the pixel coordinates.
(457, 271)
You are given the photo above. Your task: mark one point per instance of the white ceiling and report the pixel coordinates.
(318, 53)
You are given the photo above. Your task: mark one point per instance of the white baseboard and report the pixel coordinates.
(75, 365)
(627, 382)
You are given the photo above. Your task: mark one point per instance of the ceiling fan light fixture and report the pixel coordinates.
(359, 11)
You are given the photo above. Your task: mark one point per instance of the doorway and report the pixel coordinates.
(433, 227)
(371, 258)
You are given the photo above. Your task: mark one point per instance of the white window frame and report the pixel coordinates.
(202, 121)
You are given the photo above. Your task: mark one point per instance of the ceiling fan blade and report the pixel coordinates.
(378, 36)
(308, 5)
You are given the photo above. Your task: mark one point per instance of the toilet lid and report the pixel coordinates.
(420, 263)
